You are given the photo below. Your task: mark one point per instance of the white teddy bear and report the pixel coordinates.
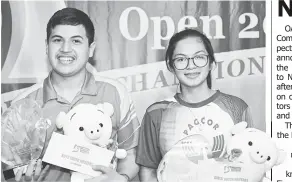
(91, 123)
(254, 149)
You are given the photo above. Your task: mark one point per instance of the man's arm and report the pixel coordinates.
(128, 140)
(127, 135)
(147, 174)
(128, 166)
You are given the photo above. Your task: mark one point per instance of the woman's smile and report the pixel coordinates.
(192, 75)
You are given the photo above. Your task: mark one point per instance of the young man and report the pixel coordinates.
(69, 44)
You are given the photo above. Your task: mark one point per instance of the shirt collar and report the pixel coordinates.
(49, 91)
(89, 87)
(198, 104)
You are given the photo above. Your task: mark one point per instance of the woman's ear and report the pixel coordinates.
(168, 66)
(213, 66)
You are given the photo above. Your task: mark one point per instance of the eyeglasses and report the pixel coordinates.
(182, 63)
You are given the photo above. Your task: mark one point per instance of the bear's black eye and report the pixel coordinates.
(100, 124)
(81, 128)
(250, 143)
(269, 158)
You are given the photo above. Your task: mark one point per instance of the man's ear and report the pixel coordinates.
(92, 48)
(47, 46)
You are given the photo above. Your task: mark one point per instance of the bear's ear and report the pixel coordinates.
(281, 156)
(61, 119)
(108, 108)
(238, 128)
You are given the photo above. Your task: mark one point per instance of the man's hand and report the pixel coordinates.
(34, 172)
(108, 175)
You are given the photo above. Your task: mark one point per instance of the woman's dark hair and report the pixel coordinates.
(183, 35)
(71, 16)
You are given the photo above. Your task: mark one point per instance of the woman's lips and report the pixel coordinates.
(192, 75)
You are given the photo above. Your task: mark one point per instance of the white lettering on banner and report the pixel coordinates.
(219, 26)
(157, 30)
(182, 23)
(143, 23)
(247, 32)
(244, 33)
(264, 25)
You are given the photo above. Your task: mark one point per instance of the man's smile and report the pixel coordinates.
(66, 59)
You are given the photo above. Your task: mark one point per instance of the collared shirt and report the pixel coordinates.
(96, 89)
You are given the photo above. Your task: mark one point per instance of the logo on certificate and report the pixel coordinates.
(81, 149)
(228, 169)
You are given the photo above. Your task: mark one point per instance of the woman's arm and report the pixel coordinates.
(246, 116)
(148, 150)
(147, 174)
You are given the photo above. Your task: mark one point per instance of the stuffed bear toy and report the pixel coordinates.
(242, 153)
(91, 123)
(254, 149)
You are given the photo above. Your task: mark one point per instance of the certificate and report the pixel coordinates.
(76, 155)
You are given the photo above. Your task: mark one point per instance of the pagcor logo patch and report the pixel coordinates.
(228, 169)
(78, 148)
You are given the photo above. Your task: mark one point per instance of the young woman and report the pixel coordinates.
(195, 107)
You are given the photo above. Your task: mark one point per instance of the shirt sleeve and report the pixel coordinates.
(148, 152)
(246, 116)
(128, 132)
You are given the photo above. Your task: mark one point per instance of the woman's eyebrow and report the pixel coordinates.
(179, 54)
(201, 51)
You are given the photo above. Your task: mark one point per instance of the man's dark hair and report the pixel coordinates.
(71, 16)
(183, 35)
